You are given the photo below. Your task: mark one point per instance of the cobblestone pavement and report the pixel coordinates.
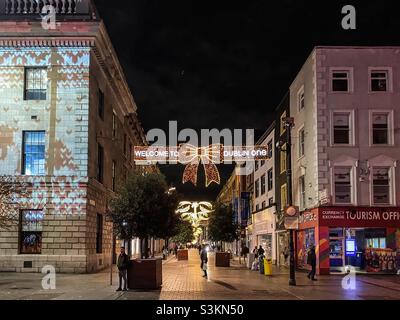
(183, 280)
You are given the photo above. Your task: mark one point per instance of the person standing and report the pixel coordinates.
(286, 255)
(122, 264)
(204, 260)
(260, 251)
(255, 251)
(312, 261)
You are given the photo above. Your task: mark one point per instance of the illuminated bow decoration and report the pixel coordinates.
(208, 156)
(199, 212)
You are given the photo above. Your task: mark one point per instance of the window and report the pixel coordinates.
(263, 204)
(342, 181)
(256, 165)
(380, 128)
(283, 196)
(301, 142)
(340, 81)
(381, 186)
(114, 125)
(270, 183)
(283, 158)
(379, 80)
(263, 184)
(262, 163)
(101, 105)
(257, 188)
(257, 207)
(375, 243)
(33, 153)
(282, 123)
(341, 128)
(35, 83)
(270, 148)
(113, 171)
(99, 233)
(270, 202)
(31, 231)
(100, 163)
(302, 191)
(300, 99)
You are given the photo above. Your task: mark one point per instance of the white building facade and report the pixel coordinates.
(264, 215)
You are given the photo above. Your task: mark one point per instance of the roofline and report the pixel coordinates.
(266, 132)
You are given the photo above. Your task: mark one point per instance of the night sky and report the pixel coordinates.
(227, 64)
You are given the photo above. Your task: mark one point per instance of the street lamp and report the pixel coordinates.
(289, 123)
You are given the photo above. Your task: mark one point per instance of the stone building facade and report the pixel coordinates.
(68, 123)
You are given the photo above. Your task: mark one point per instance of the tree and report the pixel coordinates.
(142, 208)
(185, 232)
(221, 224)
(11, 191)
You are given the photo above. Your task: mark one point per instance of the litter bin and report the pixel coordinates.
(261, 264)
(268, 267)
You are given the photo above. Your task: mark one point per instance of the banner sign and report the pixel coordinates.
(192, 156)
(186, 153)
(360, 217)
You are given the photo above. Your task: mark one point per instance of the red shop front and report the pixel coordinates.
(366, 239)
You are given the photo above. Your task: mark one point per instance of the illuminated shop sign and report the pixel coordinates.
(360, 216)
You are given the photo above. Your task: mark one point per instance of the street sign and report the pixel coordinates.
(292, 217)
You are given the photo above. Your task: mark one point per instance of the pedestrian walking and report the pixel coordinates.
(204, 260)
(255, 251)
(122, 264)
(312, 261)
(243, 253)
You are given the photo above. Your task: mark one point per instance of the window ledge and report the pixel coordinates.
(379, 92)
(341, 92)
(343, 146)
(382, 145)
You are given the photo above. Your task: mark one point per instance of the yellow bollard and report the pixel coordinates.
(268, 267)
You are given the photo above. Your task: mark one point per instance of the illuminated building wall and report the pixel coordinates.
(63, 220)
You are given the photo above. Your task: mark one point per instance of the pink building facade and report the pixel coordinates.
(346, 147)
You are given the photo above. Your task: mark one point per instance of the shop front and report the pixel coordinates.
(365, 239)
(282, 247)
(263, 232)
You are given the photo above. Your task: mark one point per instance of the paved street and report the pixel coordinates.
(183, 280)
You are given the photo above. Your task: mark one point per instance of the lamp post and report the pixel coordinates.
(289, 123)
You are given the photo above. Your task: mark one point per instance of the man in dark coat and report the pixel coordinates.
(122, 264)
(312, 261)
(204, 260)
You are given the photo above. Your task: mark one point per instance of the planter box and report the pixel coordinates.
(222, 259)
(145, 274)
(183, 254)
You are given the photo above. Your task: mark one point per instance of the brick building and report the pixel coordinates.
(67, 126)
